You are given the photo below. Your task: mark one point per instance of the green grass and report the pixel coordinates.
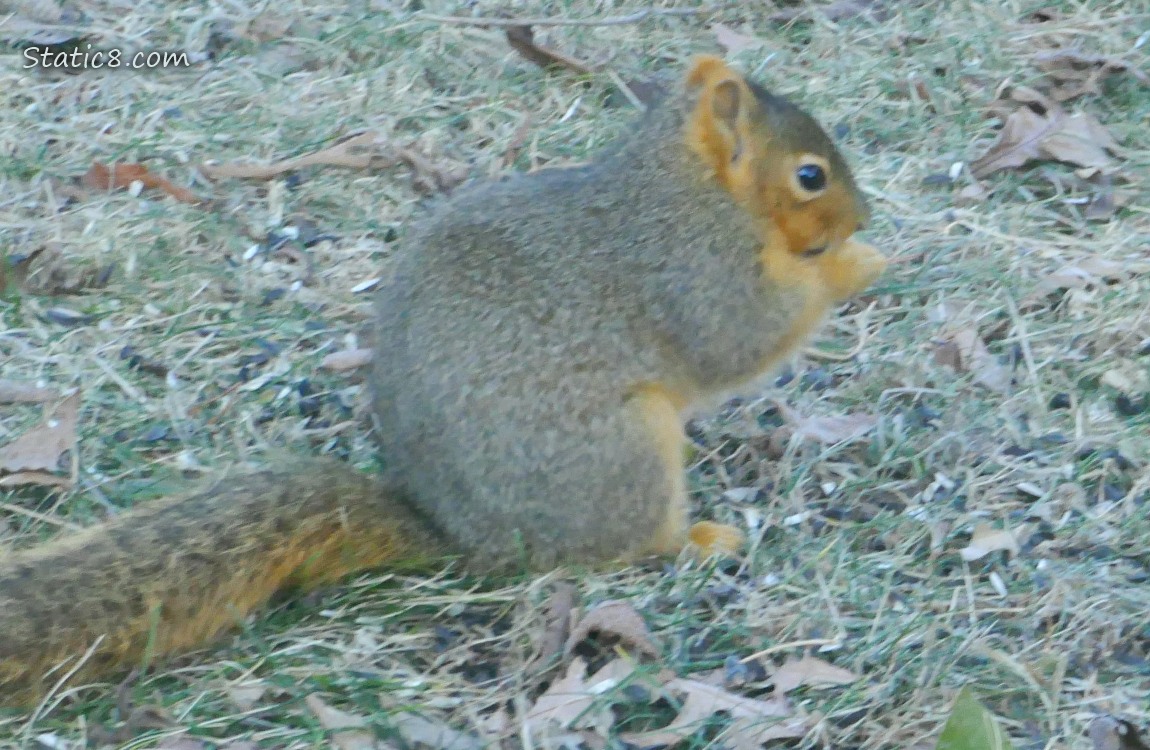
(873, 566)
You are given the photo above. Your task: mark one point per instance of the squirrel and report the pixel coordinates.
(539, 345)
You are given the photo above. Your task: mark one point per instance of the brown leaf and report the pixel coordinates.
(568, 700)
(731, 40)
(1075, 73)
(423, 731)
(987, 539)
(358, 151)
(348, 359)
(247, 695)
(41, 447)
(748, 729)
(428, 177)
(348, 731)
(1093, 271)
(1112, 733)
(178, 742)
(522, 40)
(121, 175)
(1027, 136)
(15, 392)
(34, 477)
(840, 10)
(615, 617)
(809, 671)
(964, 351)
(560, 606)
(830, 429)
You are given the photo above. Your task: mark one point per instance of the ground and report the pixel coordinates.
(994, 379)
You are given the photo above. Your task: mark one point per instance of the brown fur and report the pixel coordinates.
(540, 341)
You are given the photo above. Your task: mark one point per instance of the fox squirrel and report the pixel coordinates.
(539, 343)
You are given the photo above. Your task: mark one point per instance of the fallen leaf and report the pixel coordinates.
(748, 729)
(347, 730)
(1074, 73)
(1111, 733)
(1088, 272)
(15, 392)
(40, 448)
(615, 617)
(809, 671)
(567, 702)
(829, 429)
(1027, 135)
(560, 606)
(248, 695)
(971, 727)
(840, 10)
(428, 177)
(34, 477)
(987, 539)
(180, 742)
(731, 40)
(121, 176)
(1127, 377)
(420, 730)
(964, 351)
(522, 40)
(348, 359)
(358, 151)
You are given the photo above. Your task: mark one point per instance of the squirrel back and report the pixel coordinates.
(540, 341)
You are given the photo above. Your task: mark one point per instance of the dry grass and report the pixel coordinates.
(856, 544)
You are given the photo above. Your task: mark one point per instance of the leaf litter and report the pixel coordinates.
(34, 457)
(1042, 130)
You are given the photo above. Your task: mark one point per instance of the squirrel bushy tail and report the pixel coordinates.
(169, 576)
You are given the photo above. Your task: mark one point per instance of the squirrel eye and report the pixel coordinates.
(811, 252)
(812, 177)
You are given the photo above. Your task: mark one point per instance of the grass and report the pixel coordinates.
(855, 544)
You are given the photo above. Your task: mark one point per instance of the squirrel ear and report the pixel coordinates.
(719, 99)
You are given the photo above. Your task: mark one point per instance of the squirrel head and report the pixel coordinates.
(776, 161)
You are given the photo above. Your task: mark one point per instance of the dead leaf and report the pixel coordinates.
(522, 40)
(809, 671)
(1088, 272)
(358, 151)
(987, 539)
(1074, 73)
(121, 176)
(247, 695)
(348, 359)
(179, 742)
(1027, 135)
(1112, 733)
(15, 392)
(829, 429)
(731, 40)
(568, 700)
(619, 618)
(840, 10)
(40, 448)
(560, 606)
(347, 730)
(964, 351)
(1127, 377)
(420, 730)
(430, 178)
(748, 727)
(34, 477)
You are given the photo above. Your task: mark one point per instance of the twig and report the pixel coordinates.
(607, 21)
